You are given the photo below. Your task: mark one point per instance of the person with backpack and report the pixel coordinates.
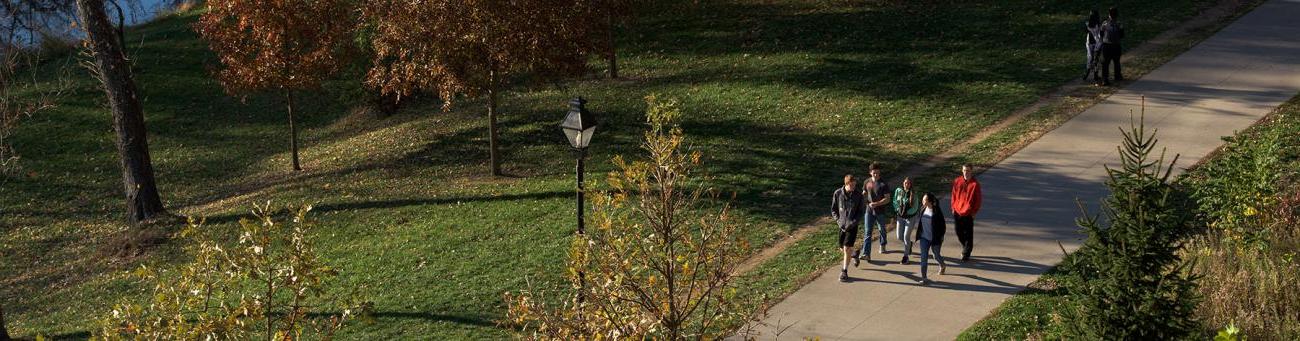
(847, 207)
(905, 207)
(1112, 33)
(930, 228)
(1092, 46)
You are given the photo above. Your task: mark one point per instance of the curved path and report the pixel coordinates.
(1222, 85)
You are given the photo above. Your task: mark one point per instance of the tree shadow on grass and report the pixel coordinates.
(382, 204)
(77, 335)
(783, 174)
(474, 320)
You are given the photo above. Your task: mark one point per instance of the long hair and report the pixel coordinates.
(1094, 19)
(934, 202)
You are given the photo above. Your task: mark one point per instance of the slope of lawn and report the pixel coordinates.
(782, 97)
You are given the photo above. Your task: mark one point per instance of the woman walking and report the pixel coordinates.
(930, 229)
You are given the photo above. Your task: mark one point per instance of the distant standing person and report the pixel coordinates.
(905, 207)
(1092, 46)
(930, 228)
(877, 193)
(1111, 35)
(847, 207)
(966, 198)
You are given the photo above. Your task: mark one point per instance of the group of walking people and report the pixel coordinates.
(1103, 47)
(918, 217)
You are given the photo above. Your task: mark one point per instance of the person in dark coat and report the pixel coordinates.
(930, 228)
(1112, 33)
(847, 208)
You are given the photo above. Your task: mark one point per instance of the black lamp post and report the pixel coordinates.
(578, 127)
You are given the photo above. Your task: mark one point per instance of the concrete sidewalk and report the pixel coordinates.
(1218, 87)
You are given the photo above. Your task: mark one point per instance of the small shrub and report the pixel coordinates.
(262, 287)
(658, 263)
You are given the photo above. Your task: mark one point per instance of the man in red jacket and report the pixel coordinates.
(965, 204)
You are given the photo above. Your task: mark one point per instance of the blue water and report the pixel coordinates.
(133, 12)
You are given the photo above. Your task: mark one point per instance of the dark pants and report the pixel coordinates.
(1110, 54)
(965, 233)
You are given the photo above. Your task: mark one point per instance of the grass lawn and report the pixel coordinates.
(782, 96)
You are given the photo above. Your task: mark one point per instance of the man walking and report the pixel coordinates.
(966, 198)
(877, 194)
(847, 207)
(905, 207)
(1111, 35)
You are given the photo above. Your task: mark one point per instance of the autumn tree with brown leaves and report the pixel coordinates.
(472, 47)
(277, 45)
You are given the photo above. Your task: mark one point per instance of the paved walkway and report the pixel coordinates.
(1218, 87)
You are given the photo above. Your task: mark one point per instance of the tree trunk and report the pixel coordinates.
(293, 130)
(142, 200)
(492, 123)
(610, 54)
(4, 333)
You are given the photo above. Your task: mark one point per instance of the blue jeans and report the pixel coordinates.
(926, 248)
(903, 230)
(879, 222)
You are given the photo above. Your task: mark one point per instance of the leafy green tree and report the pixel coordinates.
(1131, 282)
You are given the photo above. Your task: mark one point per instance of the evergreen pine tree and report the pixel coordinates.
(1130, 282)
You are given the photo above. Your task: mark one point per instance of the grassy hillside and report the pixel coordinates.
(782, 96)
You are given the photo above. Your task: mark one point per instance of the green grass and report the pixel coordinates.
(781, 96)
(1036, 313)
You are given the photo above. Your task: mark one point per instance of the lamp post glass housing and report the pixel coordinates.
(579, 125)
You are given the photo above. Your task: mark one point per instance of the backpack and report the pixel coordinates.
(1112, 32)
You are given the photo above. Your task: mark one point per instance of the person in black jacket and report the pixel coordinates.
(930, 228)
(848, 207)
(1111, 35)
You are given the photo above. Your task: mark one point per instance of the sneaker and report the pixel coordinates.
(844, 276)
(904, 261)
(923, 281)
(943, 269)
(856, 261)
(882, 249)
